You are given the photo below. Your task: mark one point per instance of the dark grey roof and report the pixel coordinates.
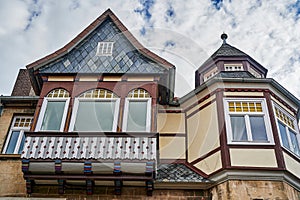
(177, 172)
(235, 74)
(228, 50)
(225, 50)
(83, 59)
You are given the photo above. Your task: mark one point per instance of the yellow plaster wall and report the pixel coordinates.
(210, 164)
(60, 78)
(201, 104)
(203, 132)
(88, 78)
(172, 147)
(171, 123)
(258, 94)
(112, 78)
(292, 165)
(253, 157)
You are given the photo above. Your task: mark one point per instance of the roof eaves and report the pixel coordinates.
(270, 81)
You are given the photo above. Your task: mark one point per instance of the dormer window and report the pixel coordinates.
(105, 48)
(210, 74)
(233, 67)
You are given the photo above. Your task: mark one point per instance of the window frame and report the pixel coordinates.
(126, 110)
(76, 106)
(104, 50)
(289, 130)
(229, 67)
(247, 115)
(43, 110)
(20, 136)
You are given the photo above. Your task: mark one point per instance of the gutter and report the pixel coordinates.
(171, 87)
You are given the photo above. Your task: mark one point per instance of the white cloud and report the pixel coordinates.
(265, 30)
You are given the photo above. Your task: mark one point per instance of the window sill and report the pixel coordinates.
(10, 156)
(250, 143)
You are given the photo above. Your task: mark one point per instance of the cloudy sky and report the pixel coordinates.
(185, 32)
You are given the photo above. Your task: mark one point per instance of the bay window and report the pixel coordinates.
(288, 130)
(15, 138)
(137, 111)
(95, 110)
(53, 111)
(247, 121)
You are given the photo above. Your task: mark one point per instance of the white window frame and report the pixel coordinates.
(43, 110)
(76, 105)
(106, 50)
(148, 114)
(247, 115)
(296, 130)
(208, 75)
(21, 133)
(232, 67)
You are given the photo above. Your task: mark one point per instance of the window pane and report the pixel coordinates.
(12, 142)
(53, 115)
(258, 129)
(100, 116)
(294, 142)
(22, 144)
(137, 116)
(283, 135)
(238, 126)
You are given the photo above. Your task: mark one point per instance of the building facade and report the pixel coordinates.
(98, 119)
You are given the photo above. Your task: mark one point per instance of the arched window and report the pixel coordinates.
(95, 111)
(53, 111)
(137, 111)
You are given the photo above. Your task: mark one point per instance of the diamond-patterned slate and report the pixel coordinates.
(177, 172)
(83, 58)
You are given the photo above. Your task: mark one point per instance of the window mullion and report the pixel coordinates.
(248, 127)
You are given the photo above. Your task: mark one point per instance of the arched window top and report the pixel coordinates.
(138, 93)
(98, 93)
(58, 93)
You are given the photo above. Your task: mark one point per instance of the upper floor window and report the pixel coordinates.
(95, 110)
(288, 130)
(15, 138)
(210, 74)
(53, 111)
(247, 121)
(233, 67)
(104, 48)
(137, 111)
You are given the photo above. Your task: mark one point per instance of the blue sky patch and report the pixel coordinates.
(217, 4)
(170, 43)
(145, 10)
(35, 11)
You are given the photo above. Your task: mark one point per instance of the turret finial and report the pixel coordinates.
(224, 36)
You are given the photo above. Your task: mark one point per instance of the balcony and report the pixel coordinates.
(89, 159)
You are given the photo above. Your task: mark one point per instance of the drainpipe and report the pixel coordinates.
(171, 87)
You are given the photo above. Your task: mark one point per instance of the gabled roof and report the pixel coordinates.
(108, 14)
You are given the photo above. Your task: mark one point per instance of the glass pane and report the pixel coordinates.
(137, 116)
(100, 116)
(283, 135)
(12, 142)
(22, 144)
(294, 142)
(53, 115)
(258, 129)
(238, 126)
